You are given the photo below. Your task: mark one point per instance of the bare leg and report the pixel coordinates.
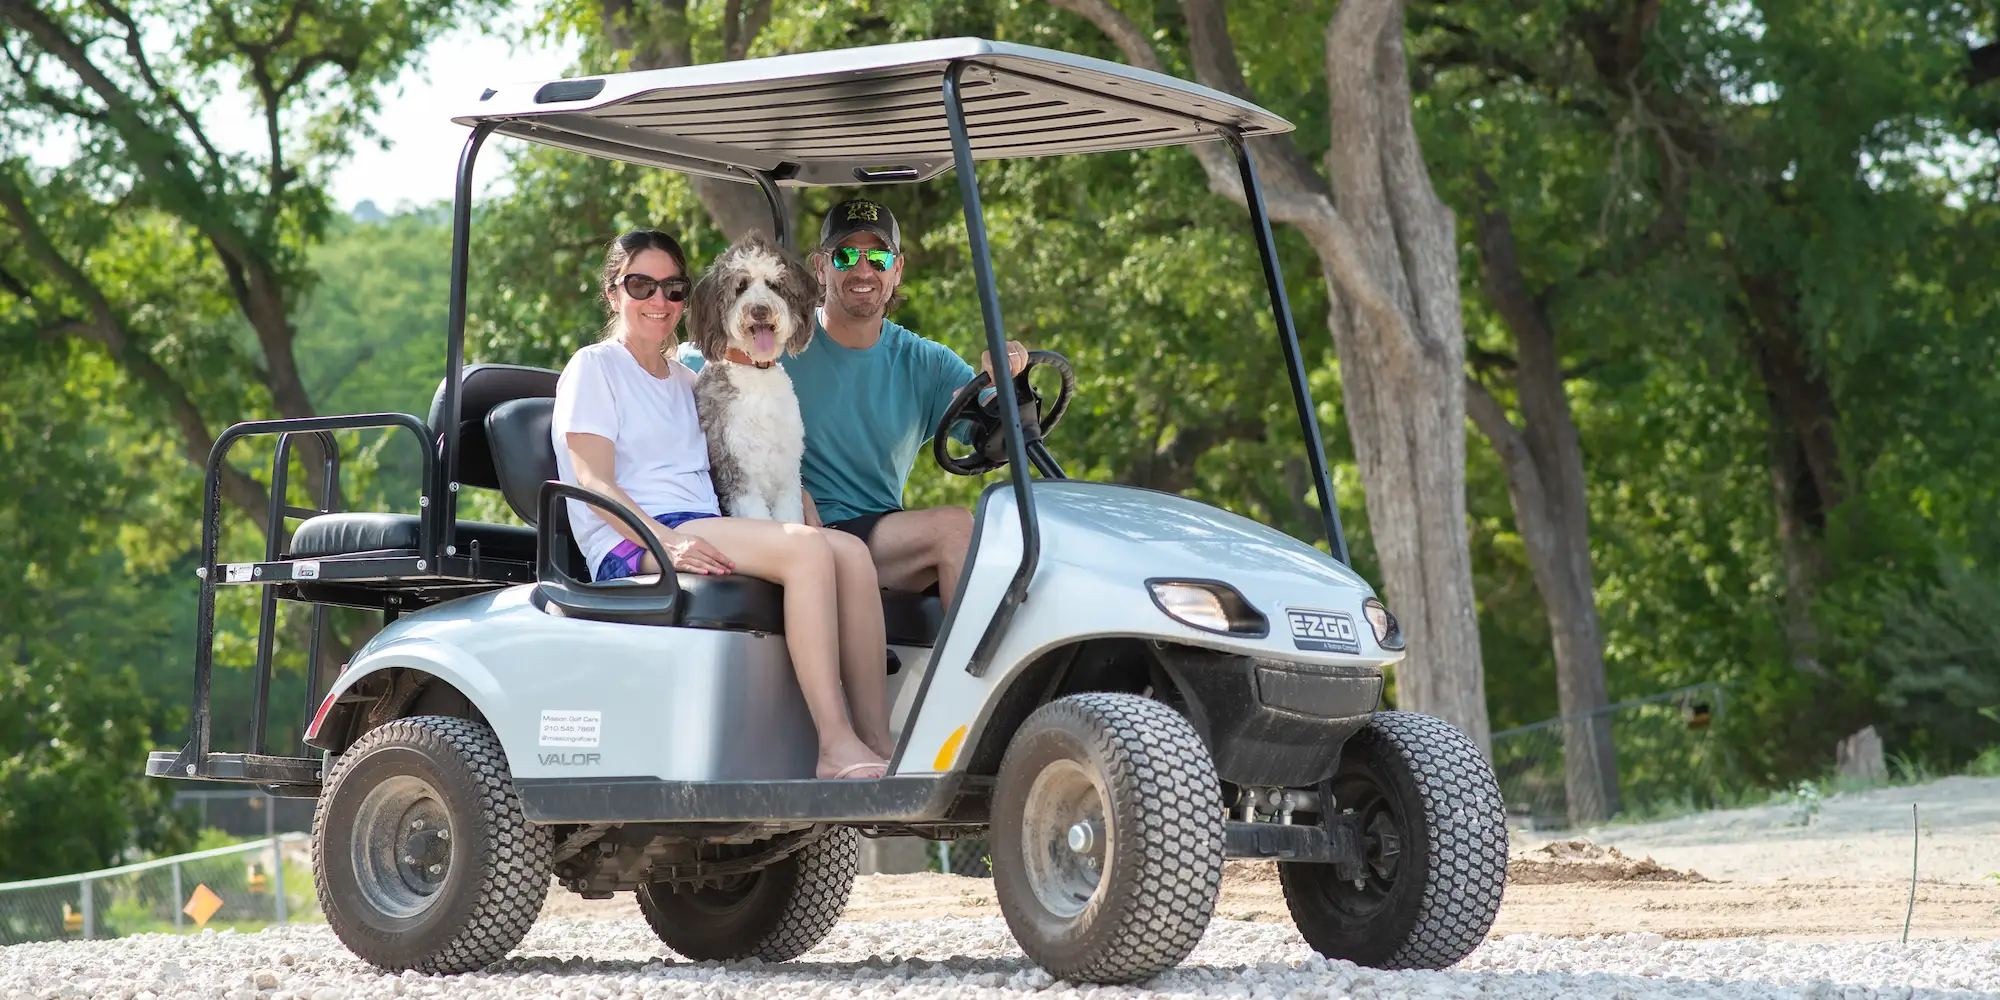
(916, 548)
(799, 559)
(863, 651)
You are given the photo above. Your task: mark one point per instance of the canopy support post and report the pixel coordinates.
(781, 222)
(437, 522)
(996, 345)
(1288, 338)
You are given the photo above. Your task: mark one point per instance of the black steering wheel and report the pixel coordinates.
(989, 436)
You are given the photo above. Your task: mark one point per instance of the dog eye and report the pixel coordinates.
(743, 286)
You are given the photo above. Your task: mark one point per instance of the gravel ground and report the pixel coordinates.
(574, 959)
(1788, 929)
(1855, 835)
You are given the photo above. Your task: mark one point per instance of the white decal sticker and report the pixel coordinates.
(236, 573)
(305, 569)
(570, 729)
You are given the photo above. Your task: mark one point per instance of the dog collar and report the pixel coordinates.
(736, 354)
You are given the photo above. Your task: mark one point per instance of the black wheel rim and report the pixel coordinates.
(1383, 830)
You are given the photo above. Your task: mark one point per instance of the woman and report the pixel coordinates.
(625, 427)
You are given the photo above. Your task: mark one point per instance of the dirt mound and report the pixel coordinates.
(1565, 861)
(1241, 872)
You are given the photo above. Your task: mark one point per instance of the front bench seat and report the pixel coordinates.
(520, 436)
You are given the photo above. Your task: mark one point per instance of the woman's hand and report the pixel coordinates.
(693, 555)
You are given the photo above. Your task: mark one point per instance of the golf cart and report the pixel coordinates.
(1130, 688)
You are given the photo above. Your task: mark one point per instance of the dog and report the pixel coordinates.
(753, 304)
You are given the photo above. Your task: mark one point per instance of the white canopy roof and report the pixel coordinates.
(866, 115)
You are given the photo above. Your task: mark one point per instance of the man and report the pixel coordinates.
(870, 393)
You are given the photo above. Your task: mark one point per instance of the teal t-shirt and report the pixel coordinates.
(866, 414)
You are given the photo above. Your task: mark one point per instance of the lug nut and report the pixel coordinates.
(409, 859)
(416, 824)
(435, 869)
(444, 834)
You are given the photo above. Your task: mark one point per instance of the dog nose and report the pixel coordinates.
(760, 313)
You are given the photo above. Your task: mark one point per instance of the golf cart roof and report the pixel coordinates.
(867, 115)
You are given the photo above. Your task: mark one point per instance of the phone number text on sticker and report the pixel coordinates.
(571, 729)
(1323, 631)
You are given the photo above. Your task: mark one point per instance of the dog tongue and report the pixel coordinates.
(764, 339)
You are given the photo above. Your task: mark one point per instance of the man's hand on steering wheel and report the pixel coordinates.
(988, 428)
(1017, 358)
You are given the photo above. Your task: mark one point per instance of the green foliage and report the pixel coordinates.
(1825, 147)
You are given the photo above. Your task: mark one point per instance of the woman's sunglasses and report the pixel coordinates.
(642, 286)
(846, 257)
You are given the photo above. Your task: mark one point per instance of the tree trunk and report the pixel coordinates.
(737, 208)
(1808, 478)
(1402, 372)
(1387, 248)
(1546, 486)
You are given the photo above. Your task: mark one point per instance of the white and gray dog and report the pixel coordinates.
(754, 303)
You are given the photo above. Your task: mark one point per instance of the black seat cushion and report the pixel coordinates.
(347, 533)
(523, 451)
(481, 388)
(911, 619)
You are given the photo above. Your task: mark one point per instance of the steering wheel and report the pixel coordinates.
(989, 435)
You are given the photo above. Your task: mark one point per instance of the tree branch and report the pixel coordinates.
(153, 152)
(137, 51)
(107, 328)
(15, 286)
(1294, 194)
(1507, 440)
(47, 97)
(1500, 265)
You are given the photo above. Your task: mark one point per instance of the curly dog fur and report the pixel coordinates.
(754, 304)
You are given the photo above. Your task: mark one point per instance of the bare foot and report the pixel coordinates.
(850, 759)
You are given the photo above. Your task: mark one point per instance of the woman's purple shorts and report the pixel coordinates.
(625, 558)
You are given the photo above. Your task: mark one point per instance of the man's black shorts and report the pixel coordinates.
(863, 526)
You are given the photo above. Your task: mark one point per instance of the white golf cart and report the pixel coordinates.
(1131, 687)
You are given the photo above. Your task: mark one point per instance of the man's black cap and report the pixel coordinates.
(859, 215)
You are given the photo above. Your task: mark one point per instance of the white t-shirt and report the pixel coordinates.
(661, 456)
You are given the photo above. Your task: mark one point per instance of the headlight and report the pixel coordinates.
(1209, 606)
(1388, 634)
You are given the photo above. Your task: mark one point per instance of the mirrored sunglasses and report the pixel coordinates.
(846, 257)
(642, 286)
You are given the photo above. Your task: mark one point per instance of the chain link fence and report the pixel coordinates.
(964, 856)
(1663, 745)
(244, 886)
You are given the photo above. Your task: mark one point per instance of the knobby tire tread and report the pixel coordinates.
(517, 858)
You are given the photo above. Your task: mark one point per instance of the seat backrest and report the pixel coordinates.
(481, 388)
(524, 455)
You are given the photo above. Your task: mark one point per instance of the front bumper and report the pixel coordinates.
(1272, 722)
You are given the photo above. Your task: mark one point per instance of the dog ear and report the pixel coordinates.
(801, 292)
(707, 306)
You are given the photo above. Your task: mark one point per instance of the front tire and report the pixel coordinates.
(776, 913)
(1434, 840)
(1107, 837)
(421, 854)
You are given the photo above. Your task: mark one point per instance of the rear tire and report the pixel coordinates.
(421, 854)
(776, 913)
(1434, 838)
(1129, 897)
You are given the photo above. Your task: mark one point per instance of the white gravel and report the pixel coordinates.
(572, 959)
